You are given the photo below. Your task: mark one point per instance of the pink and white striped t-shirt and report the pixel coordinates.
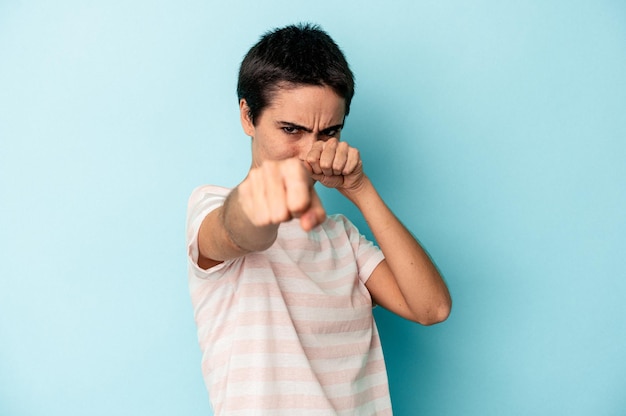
(289, 331)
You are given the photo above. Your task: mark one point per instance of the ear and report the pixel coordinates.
(246, 118)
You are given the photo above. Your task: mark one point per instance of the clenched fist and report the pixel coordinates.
(335, 164)
(278, 191)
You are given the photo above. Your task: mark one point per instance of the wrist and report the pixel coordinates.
(360, 192)
(242, 232)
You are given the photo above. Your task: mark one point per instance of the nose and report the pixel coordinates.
(306, 143)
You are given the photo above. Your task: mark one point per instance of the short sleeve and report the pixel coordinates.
(367, 254)
(202, 201)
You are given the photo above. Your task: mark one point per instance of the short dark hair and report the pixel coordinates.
(293, 55)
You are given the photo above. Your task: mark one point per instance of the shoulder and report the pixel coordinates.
(340, 222)
(203, 200)
(205, 191)
(338, 219)
(207, 195)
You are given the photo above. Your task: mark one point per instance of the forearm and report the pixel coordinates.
(417, 278)
(227, 232)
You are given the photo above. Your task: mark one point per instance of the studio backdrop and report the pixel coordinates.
(495, 130)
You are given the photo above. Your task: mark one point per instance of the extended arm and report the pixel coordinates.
(275, 192)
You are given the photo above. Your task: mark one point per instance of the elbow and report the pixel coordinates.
(435, 314)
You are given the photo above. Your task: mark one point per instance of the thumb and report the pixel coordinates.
(314, 215)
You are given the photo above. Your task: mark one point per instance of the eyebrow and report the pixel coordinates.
(308, 130)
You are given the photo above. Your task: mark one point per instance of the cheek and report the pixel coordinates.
(293, 151)
(279, 150)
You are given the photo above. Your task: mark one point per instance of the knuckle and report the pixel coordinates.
(279, 216)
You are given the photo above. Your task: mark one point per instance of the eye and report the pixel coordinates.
(291, 130)
(331, 133)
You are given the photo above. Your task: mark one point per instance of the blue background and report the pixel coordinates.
(495, 130)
